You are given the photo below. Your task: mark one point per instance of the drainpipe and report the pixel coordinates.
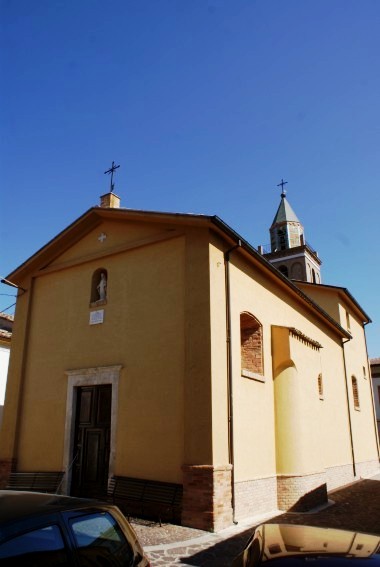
(231, 456)
(371, 388)
(349, 409)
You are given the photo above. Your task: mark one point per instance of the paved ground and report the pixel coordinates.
(355, 507)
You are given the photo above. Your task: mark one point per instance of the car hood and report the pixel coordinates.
(278, 543)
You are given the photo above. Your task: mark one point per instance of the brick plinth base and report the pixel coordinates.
(301, 493)
(367, 468)
(254, 497)
(207, 497)
(6, 467)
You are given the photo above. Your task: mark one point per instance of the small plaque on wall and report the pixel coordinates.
(97, 317)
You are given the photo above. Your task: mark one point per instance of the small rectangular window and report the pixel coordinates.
(320, 386)
(348, 322)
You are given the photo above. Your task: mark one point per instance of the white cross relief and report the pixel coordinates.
(102, 237)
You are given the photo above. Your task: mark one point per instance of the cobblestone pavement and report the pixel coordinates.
(355, 507)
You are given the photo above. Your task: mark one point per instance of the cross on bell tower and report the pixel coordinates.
(283, 192)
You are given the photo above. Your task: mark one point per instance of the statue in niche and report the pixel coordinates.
(102, 287)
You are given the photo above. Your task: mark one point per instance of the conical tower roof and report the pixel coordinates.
(285, 212)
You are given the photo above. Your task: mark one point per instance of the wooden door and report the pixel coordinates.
(92, 441)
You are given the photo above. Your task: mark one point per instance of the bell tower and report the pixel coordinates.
(289, 251)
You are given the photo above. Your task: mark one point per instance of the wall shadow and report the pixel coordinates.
(355, 507)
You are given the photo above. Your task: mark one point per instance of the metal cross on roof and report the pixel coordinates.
(283, 192)
(111, 170)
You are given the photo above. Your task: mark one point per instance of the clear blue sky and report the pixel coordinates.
(206, 104)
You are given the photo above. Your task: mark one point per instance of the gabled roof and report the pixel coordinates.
(94, 216)
(284, 213)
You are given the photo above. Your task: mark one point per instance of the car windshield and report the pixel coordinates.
(100, 540)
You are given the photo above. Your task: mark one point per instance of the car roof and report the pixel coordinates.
(16, 505)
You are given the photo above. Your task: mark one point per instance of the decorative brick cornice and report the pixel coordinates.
(303, 338)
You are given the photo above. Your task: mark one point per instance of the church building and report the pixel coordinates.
(163, 346)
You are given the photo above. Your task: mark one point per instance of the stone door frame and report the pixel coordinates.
(97, 376)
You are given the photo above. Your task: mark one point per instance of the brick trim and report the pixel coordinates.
(301, 493)
(207, 497)
(257, 496)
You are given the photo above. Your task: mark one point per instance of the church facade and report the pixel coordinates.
(164, 346)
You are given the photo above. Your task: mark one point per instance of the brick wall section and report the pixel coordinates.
(6, 467)
(339, 476)
(207, 497)
(301, 493)
(254, 497)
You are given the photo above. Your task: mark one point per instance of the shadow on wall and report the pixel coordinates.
(1, 415)
(356, 507)
(310, 500)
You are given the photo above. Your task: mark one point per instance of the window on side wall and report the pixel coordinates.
(320, 387)
(251, 347)
(355, 392)
(348, 322)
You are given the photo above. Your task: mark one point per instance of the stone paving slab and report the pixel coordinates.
(355, 507)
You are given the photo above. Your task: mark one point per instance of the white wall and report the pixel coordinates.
(376, 395)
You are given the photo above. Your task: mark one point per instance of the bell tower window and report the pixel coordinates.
(284, 270)
(282, 238)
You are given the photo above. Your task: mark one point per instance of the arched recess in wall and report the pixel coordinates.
(308, 268)
(296, 271)
(99, 278)
(313, 278)
(251, 345)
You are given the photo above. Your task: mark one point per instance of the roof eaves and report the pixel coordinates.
(345, 291)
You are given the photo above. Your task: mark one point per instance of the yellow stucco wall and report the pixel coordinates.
(317, 431)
